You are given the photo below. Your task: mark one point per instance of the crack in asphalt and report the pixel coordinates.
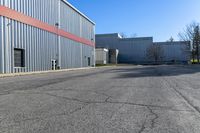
(125, 103)
(142, 127)
(174, 87)
(153, 120)
(152, 115)
(108, 101)
(181, 95)
(136, 104)
(108, 98)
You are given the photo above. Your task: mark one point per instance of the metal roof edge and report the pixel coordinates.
(74, 8)
(174, 42)
(106, 34)
(119, 36)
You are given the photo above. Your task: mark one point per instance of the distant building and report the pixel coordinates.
(134, 50)
(131, 50)
(175, 52)
(106, 56)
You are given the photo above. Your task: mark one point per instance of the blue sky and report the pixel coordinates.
(158, 18)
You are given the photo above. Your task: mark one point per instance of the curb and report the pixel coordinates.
(50, 71)
(43, 72)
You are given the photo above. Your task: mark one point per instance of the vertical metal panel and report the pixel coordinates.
(76, 53)
(71, 21)
(175, 51)
(1, 42)
(74, 23)
(131, 50)
(71, 54)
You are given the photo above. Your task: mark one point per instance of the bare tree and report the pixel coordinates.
(186, 50)
(155, 53)
(123, 35)
(190, 33)
(171, 39)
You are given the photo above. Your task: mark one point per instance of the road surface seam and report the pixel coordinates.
(184, 97)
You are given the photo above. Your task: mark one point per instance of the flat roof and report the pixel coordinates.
(107, 34)
(172, 43)
(123, 39)
(70, 5)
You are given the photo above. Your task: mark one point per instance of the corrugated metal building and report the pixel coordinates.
(175, 52)
(33, 33)
(131, 50)
(135, 50)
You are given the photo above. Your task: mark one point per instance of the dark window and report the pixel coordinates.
(89, 61)
(19, 58)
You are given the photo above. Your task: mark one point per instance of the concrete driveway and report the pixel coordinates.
(125, 99)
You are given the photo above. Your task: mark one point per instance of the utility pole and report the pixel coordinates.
(58, 37)
(7, 47)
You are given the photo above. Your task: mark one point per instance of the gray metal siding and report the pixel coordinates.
(70, 54)
(134, 50)
(88, 52)
(1, 44)
(71, 21)
(44, 10)
(74, 23)
(175, 51)
(131, 50)
(41, 46)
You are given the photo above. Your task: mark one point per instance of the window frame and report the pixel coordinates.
(22, 58)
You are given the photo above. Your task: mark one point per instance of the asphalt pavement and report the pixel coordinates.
(124, 99)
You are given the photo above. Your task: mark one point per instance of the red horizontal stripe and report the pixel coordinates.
(12, 14)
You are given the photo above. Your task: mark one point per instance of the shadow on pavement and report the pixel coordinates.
(156, 71)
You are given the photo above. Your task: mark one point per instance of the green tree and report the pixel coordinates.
(196, 42)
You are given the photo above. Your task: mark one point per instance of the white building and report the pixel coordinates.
(102, 56)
